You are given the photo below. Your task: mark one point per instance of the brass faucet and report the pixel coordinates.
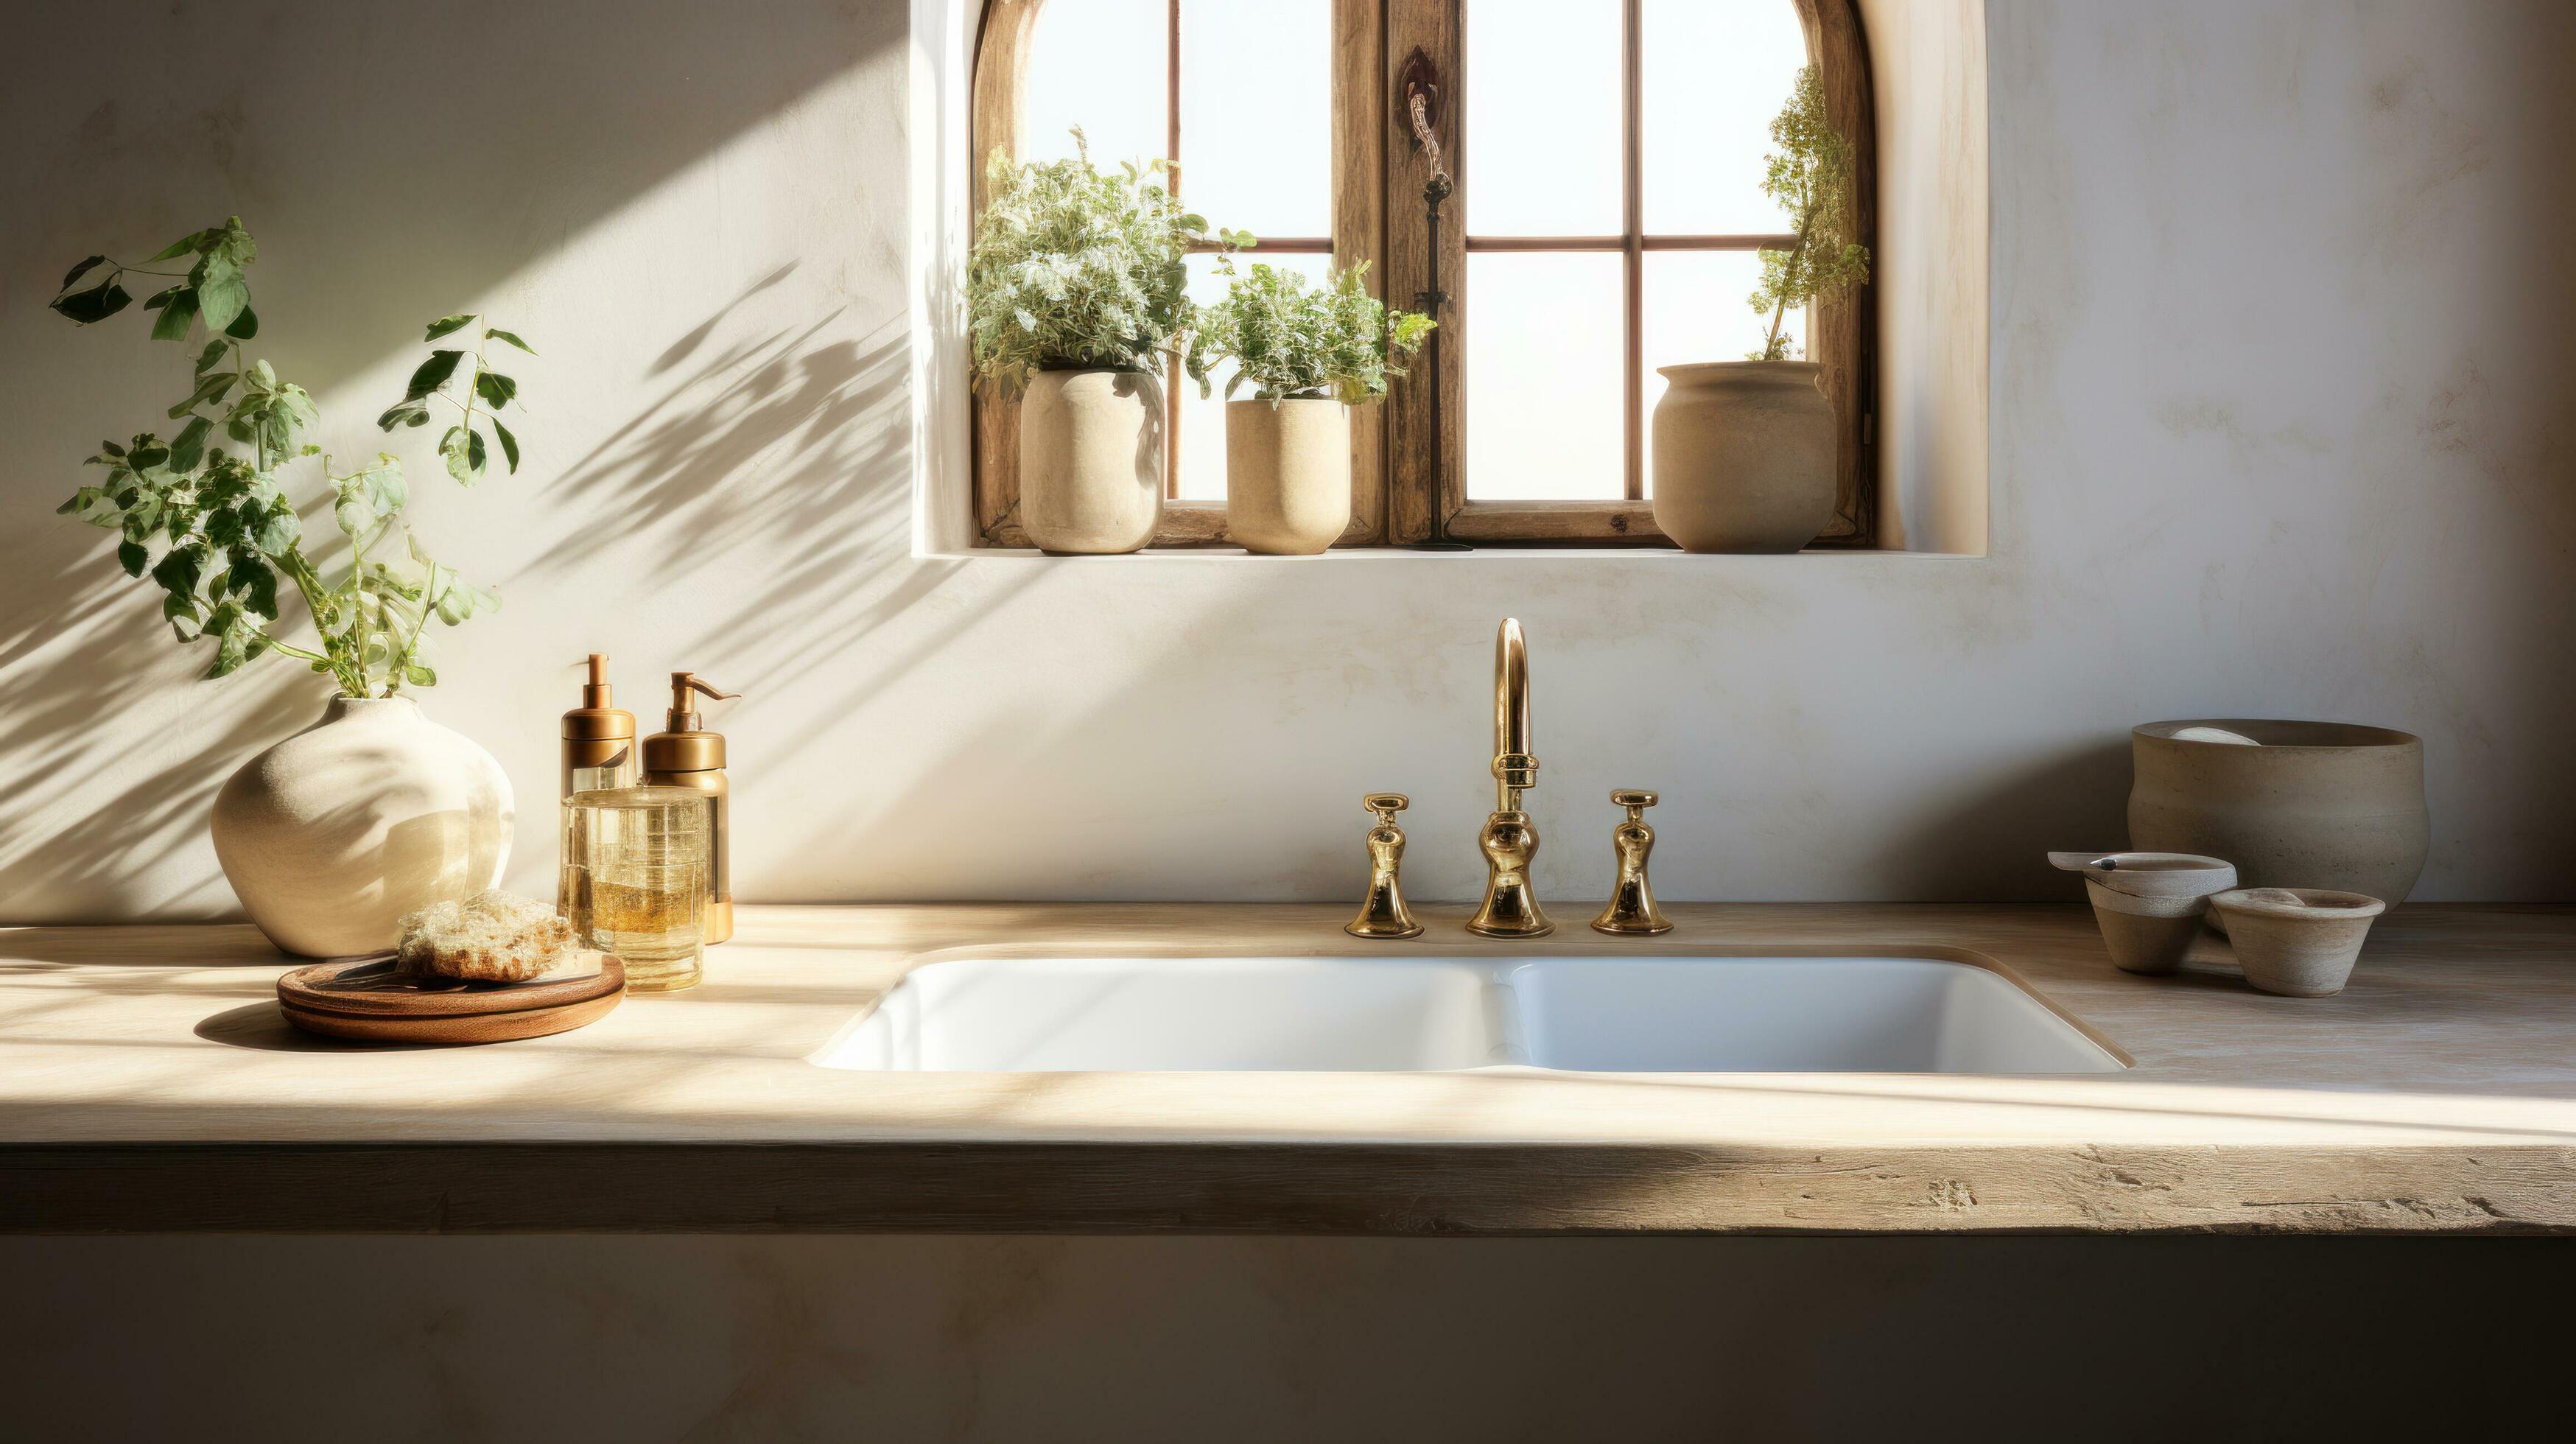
(1510, 909)
(1632, 911)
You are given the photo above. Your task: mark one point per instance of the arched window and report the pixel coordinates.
(1607, 221)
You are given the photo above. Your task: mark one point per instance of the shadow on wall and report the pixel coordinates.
(394, 169)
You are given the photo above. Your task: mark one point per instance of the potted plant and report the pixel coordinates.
(1075, 293)
(1309, 354)
(1745, 450)
(331, 835)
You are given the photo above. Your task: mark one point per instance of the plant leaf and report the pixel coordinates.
(497, 334)
(179, 247)
(176, 317)
(433, 373)
(131, 556)
(179, 569)
(189, 447)
(276, 530)
(85, 308)
(446, 325)
(418, 674)
(222, 294)
(403, 413)
(213, 353)
(495, 389)
(244, 326)
(211, 388)
(509, 444)
(76, 272)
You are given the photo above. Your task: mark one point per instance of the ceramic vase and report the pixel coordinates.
(332, 835)
(1287, 474)
(1744, 456)
(2316, 805)
(1091, 460)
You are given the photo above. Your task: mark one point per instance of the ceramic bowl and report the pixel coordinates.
(2149, 905)
(2300, 942)
(2324, 804)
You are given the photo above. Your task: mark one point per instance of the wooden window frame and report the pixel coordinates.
(1378, 172)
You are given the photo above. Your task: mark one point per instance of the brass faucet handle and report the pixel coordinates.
(1631, 911)
(1383, 913)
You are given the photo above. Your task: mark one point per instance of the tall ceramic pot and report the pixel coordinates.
(2315, 805)
(332, 835)
(1744, 456)
(1091, 460)
(1287, 474)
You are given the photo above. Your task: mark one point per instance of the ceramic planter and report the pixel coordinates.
(332, 835)
(1287, 474)
(2317, 805)
(1744, 456)
(1091, 460)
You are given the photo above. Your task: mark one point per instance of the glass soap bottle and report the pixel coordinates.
(636, 864)
(598, 752)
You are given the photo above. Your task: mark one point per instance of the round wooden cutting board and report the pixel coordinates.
(372, 999)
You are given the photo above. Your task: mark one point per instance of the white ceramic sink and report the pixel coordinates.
(1602, 1015)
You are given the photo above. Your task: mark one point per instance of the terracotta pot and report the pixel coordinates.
(2317, 805)
(1287, 474)
(330, 836)
(1744, 456)
(1091, 460)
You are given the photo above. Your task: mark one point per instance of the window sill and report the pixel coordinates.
(1630, 555)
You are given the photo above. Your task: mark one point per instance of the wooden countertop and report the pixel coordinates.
(148, 1083)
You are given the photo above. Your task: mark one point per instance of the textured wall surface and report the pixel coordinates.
(2280, 356)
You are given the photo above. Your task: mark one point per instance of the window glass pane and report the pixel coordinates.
(1101, 65)
(1715, 73)
(1545, 384)
(1543, 119)
(1696, 311)
(1257, 114)
(1202, 423)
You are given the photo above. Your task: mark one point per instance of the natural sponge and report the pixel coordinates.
(491, 937)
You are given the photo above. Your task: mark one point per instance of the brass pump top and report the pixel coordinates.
(684, 709)
(598, 718)
(687, 746)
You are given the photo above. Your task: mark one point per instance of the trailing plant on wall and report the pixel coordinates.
(1076, 267)
(1288, 339)
(1810, 176)
(213, 528)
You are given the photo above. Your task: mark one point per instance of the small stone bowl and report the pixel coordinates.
(2299, 942)
(2149, 905)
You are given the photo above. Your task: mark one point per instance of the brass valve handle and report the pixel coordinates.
(1631, 911)
(1383, 913)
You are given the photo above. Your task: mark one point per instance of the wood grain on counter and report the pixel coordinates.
(148, 1083)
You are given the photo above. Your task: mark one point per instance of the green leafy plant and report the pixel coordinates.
(1810, 176)
(223, 527)
(1290, 339)
(1076, 267)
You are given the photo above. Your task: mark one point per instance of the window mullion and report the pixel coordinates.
(1633, 259)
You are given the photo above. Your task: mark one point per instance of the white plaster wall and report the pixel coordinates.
(2280, 348)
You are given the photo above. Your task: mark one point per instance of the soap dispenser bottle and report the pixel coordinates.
(598, 737)
(687, 755)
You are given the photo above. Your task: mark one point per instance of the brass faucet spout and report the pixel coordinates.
(1514, 767)
(1508, 841)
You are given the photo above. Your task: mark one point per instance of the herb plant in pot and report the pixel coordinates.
(1745, 451)
(331, 835)
(1309, 354)
(1076, 290)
